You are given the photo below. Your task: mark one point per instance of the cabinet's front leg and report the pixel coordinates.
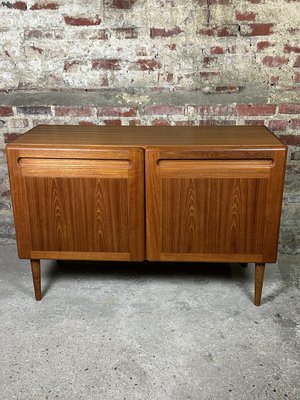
(259, 279)
(36, 276)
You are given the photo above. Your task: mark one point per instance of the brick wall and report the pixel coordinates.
(159, 62)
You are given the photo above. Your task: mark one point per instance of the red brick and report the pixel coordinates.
(172, 46)
(44, 6)
(106, 64)
(257, 29)
(208, 75)
(161, 122)
(38, 110)
(263, 45)
(126, 33)
(73, 111)
(278, 125)
(294, 31)
(169, 77)
(273, 79)
(164, 109)
(41, 34)
(92, 34)
(297, 62)
(49, 121)
(116, 111)
(134, 122)
(86, 123)
(121, 4)
(147, 65)
(254, 122)
(231, 49)
(224, 31)
(6, 111)
(216, 50)
(229, 89)
(297, 77)
(112, 122)
(212, 110)
(9, 137)
(292, 140)
(289, 108)
(291, 49)
(275, 61)
(213, 122)
(73, 64)
(184, 123)
(245, 16)
(213, 2)
(295, 124)
(209, 60)
(158, 32)
(38, 49)
(82, 21)
(256, 109)
(18, 5)
(17, 123)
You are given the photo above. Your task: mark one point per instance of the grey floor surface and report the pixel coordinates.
(148, 331)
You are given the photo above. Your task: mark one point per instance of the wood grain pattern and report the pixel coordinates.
(199, 206)
(215, 168)
(59, 136)
(86, 202)
(36, 276)
(78, 214)
(212, 194)
(213, 215)
(53, 167)
(80, 256)
(259, 279)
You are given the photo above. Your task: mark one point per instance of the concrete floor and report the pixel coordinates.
(148, 331)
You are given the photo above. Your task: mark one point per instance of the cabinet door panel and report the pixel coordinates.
(211, 215)
(213, 208)
(83, 205)
(81, 214)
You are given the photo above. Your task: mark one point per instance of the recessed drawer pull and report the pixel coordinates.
(55, 167)
(216, 168)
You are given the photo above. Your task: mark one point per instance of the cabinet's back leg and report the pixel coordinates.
(36, 275)
(259, 279)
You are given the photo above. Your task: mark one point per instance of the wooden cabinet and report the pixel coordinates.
(211, 194)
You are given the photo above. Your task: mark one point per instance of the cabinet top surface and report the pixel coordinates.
(58, 136)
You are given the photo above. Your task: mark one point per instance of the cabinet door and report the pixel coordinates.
(78, 204)
(213, 206)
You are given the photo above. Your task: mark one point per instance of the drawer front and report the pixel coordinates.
(220, 206)
(82, 204)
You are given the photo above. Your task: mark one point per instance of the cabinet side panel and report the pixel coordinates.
(274, 205)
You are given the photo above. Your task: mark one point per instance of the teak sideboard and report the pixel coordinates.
(209, 194)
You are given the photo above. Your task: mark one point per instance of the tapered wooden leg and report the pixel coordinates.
(259, 279)
(36, 276)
